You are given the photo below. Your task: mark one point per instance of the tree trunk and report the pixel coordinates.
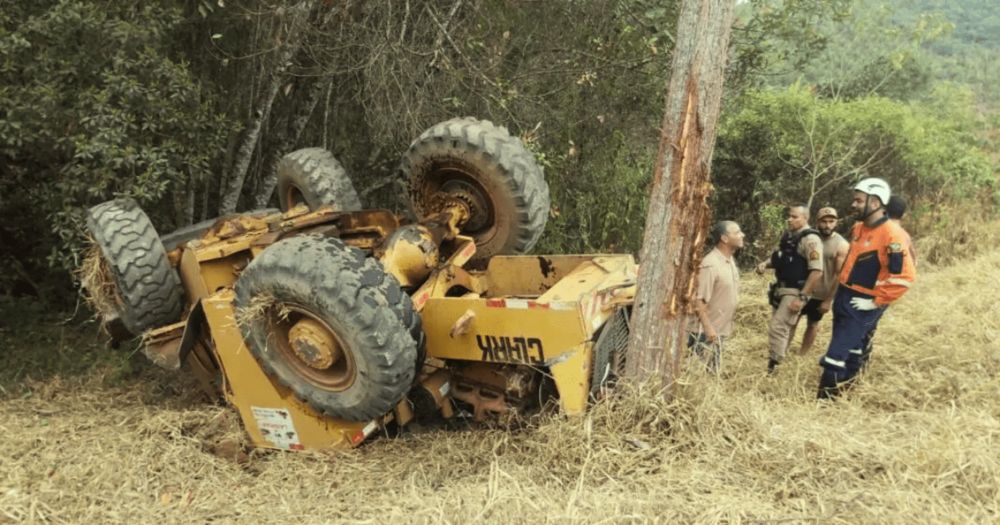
(678, 211)
(288, 139)
(262, 107)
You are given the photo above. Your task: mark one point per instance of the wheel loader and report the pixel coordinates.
(323, 323)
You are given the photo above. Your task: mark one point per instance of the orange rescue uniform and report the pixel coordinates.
(879, 264)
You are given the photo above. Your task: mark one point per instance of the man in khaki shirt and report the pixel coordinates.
(798, 266)
(717, 295)
(834, 253)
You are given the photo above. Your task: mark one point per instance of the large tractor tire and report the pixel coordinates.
(312, 176)
(317, 315)
(402, 306)
(149, 291)
(491, 172)
(612, 342)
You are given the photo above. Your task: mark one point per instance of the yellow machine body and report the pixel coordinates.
(272, 415)
(521, 314)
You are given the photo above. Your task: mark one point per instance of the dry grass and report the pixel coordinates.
(915, 442)
(100, 290)
(258, 309)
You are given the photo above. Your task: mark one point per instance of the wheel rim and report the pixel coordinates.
(459, 184)
(294, 197)
(481, 217)
(311, 348)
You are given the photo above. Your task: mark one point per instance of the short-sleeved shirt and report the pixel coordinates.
(831, 245)
(811, 248)
(719, 287)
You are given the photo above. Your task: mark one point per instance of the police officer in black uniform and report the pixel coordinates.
(798, 268)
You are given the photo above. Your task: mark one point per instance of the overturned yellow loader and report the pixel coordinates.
(324, 324)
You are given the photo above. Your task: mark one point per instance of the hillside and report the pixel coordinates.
(915, 442)
(969, 52)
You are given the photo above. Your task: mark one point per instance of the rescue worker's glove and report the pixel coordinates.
(863, 304)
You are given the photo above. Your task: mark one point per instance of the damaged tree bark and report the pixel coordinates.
(678, 210)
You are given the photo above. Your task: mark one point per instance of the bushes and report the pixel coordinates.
(93, 107)
(778, 147)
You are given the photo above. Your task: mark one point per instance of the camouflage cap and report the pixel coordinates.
(827, 212)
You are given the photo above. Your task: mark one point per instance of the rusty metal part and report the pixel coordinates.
(168, 346)
(451, 274)
(438, 387)
(410, 254)
(485, 402)
(205, 369)
(314, 345)
(494, 390)
(449, 218)
(311, 347)
(403, 413)
(462, 324)
(162, 346)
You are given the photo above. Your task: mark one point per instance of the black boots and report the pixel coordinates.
(828, 385)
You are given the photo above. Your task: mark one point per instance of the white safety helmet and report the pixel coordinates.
(874, 186)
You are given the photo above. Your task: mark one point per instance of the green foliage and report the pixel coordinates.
(93, 107)
(37, 344)
(778, 147)
(969, 53)
(866, 52)
(603, 208)
(151, 100)
(770, 35)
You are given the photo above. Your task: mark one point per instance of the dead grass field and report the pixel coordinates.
(915, 442)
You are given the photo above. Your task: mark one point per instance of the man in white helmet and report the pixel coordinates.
(877, 271)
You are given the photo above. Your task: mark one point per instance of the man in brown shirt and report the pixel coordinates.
(798, 266)
(834, 253)
(717, 295)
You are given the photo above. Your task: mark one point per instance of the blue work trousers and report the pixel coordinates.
(852, 332)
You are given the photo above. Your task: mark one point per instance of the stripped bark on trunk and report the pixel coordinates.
(678, 211)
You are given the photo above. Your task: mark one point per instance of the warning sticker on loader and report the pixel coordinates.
(275, 425)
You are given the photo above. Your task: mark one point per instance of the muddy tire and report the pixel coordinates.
(489, 170)
(402, 306)
(149, 288)
(315, 313)
(611, 345)
(314, 177)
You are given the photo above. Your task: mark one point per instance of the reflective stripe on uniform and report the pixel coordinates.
(857, 351)
(834, 362)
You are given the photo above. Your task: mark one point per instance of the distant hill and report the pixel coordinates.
(971, 52)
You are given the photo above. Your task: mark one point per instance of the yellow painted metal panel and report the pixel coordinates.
(512, 331)
(530, 275)
(572, 378)
(270, 411)
(500, 334)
